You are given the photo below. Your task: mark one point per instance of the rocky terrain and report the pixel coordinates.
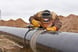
(69, 23)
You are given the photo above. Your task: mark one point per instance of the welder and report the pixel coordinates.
(47, 20)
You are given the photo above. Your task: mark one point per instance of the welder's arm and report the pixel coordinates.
(34, 22)
(57, 25)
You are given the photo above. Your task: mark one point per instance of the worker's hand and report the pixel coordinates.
(51, 28)
(35, 23)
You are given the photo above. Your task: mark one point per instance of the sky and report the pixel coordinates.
(13, 9)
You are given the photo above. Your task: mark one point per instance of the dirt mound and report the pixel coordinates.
(13, 23)
(69, 23)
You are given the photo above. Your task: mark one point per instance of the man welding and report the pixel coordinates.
(46, 20)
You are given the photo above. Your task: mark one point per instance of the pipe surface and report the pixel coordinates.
(64, 41)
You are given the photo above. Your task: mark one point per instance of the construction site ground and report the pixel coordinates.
(7, 45)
